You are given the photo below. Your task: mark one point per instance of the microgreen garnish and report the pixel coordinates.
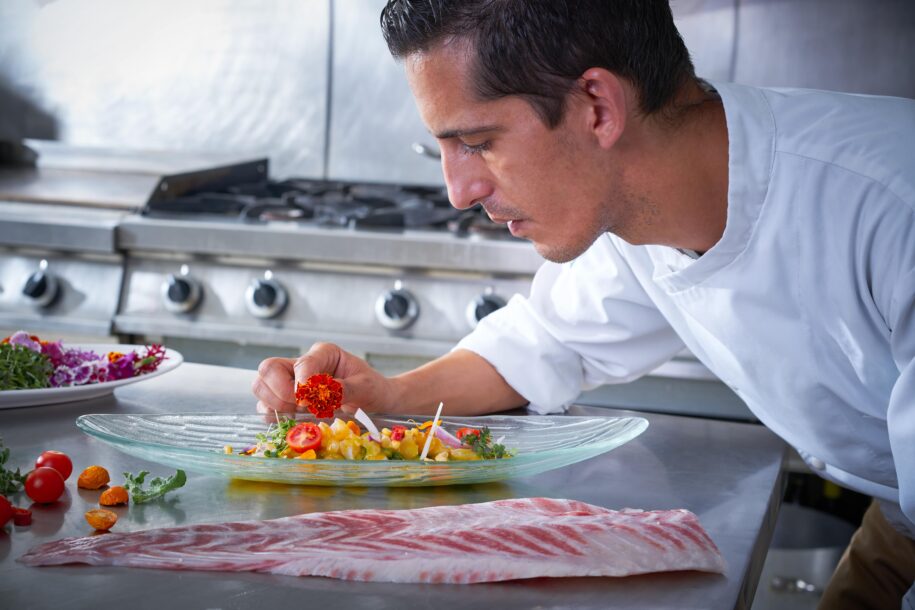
(481, 443)
(22, 368)
(276, 436)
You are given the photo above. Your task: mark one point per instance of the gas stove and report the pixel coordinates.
(332, 204)
(384, 270)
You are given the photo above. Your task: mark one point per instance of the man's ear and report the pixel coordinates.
(604, 95)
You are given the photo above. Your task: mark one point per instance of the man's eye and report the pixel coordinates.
(473, 149)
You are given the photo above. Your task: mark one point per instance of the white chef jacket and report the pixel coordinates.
(805, 307)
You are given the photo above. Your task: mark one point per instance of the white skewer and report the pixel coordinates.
(431, 432)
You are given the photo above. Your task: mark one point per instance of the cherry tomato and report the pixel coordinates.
(398, 432)
(462, 432)
(22, 516)
(303, 437)
(56, 460)
(44, 485)
(6, 510)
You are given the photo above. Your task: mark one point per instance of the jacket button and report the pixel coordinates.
(816, 463)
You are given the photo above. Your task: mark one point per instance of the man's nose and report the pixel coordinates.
(467, 182)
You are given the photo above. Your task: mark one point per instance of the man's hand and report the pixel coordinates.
(464, 381)
(363, 386)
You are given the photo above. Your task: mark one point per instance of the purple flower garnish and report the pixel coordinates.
(22, 338)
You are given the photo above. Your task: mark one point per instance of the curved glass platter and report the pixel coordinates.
(195, 442)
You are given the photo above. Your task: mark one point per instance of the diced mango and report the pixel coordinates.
(408, 449)
(464, 454)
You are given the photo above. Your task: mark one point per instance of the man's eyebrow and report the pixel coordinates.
(460, 133)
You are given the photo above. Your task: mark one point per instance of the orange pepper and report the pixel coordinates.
(101, 519)
(113, 496)
(93, 477)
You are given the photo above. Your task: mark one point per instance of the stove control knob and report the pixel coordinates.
(482, 306)
(41, 288)
(181, 293)
(265, 298)
(396, 309)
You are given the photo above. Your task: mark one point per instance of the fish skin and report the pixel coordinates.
(469, 543)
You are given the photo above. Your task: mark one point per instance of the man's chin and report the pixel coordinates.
(558, 254)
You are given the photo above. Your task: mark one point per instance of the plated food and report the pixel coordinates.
(28, 362)
(346, 440)
(195, 441)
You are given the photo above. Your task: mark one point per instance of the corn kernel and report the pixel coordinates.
(228, 450)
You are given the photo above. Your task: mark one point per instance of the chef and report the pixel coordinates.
(771, 232)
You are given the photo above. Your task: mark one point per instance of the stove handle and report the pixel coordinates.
(41, 287)
(396, 309)
(265, 298)
(482, 306)
(181, 293)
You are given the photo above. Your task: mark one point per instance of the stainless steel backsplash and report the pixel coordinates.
(310, 84)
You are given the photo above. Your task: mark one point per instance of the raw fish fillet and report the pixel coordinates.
(492, 541)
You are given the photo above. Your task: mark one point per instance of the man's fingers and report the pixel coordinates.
(321, 358)
(273, 385)
(277, 377)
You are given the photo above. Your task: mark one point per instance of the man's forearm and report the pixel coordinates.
(466, 382)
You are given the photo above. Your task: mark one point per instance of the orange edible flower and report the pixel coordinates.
(321, 394)
(114, 356)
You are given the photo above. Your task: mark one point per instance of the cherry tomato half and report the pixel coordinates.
(398, 432)
(22, 516)
(462, 432)
(6, 510)
(303, 437)
(44, 485)
(56, 460)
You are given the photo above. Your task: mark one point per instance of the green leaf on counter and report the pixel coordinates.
(158, 486)
(10, 481)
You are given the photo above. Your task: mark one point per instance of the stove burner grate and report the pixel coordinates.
(332, 204)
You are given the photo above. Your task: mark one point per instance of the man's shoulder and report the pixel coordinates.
(871, 136)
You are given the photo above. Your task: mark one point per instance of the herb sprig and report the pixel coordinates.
(10, 481)
(482, 444)
(157, 487)
(23, 369)
(276, 436)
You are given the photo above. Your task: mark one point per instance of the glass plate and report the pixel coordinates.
(50, 396)
(195, 442)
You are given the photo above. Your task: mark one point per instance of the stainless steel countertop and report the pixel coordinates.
(729, 474)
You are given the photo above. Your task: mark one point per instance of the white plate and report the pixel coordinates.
(49, 396)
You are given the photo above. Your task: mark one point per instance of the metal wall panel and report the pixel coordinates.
(859, 46)
(374, 121)
(247, 76)
(373, 118)
(708, 29)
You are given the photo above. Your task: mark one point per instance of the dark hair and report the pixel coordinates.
(538, 48)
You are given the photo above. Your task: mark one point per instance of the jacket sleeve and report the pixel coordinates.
(900, 418)
(585, 323)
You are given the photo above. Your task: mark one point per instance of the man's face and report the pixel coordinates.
(547, 184)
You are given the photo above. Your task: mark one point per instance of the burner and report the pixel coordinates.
(334, 204)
